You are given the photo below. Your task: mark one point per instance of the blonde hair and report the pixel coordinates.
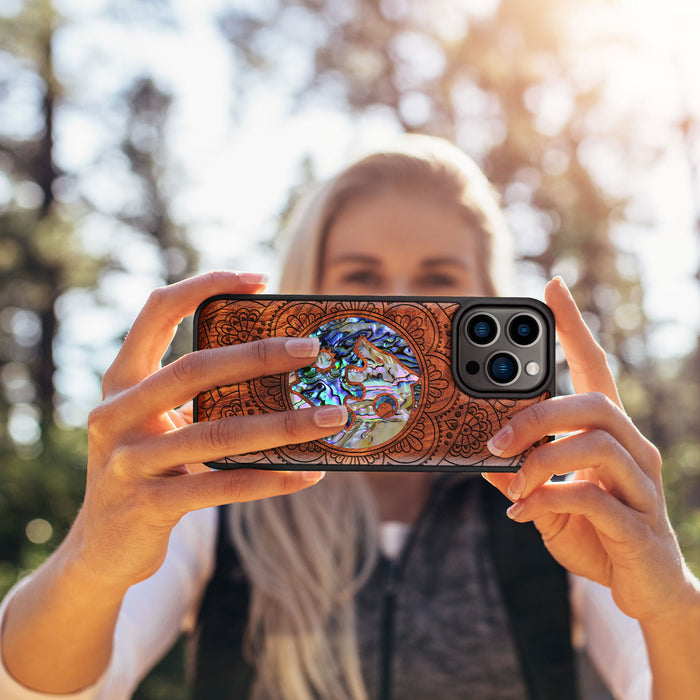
(307, 554)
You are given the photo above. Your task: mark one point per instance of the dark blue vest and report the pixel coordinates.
(533, 589)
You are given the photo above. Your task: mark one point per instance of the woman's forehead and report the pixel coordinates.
(394, 223)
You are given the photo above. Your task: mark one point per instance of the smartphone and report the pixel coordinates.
(426, 380)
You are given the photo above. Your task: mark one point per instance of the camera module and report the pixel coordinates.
(503, 368)
(482, 329)
(503, 348)
(524, 330)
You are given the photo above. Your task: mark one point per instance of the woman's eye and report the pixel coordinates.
(362, 278)
(438, 280)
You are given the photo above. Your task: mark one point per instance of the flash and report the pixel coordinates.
(532, 368)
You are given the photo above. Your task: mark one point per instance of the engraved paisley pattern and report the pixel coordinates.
(476, 430)
(240, 329)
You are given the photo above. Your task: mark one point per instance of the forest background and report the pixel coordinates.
(142, 141)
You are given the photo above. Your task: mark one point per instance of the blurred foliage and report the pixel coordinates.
(42, 488)
(498, 78)
(43, 465)
(43, 261)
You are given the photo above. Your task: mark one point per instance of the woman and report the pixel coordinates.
(418, 221)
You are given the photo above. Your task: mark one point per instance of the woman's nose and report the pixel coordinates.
(399, 287)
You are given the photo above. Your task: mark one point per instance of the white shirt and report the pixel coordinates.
(156, 611)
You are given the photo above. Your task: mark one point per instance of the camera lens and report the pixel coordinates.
(503, 368)
(524, 330)
(482, 329)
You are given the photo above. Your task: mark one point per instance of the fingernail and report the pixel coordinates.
(515, 510)
(516, 486)
(313, 477)
(500, 442)
(302, 347)
(253, 277)
(331, 416)
(560, 281)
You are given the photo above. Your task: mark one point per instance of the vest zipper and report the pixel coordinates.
(387, 638)
(395, 571)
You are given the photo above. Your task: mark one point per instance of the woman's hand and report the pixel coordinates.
(145, 459)
(144, 474)
(609, 523)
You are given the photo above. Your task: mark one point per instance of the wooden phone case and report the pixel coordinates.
(389, 360)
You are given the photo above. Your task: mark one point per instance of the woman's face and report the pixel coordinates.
(400, 243)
